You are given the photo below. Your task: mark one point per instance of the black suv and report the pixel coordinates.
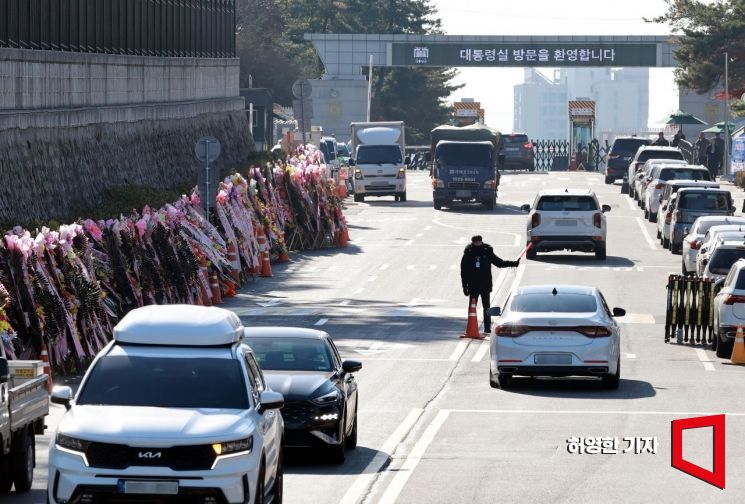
(621, 153)
(518, 152)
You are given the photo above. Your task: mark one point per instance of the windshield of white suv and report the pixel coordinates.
(684, 174)
(723, 259)
(654, 154)
(165, 382)
(567, 203)
(291, 354)
(548, 302)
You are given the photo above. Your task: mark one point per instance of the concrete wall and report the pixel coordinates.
(73, 125)
(52, 79)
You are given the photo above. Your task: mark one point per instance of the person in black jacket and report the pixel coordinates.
(475, 273)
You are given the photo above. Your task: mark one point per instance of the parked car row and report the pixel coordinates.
(187, 402)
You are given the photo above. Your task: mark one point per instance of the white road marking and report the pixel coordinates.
(385, 267)
(357, 241)
(518, 277)
(498, 283)
(404, 359)
(414, 302)
(321, 322)
(411, 267)
(459, 349)
(269, 304)
(372, 278)
(481, 351)
(636, 318)
(454, 267)
(708, 364)
(630, 356)
(647, 236)
(408, 243)
(632, 203)
(345, 302)
(358, 291)
(365, 479)
(412, 460)
(597, 412)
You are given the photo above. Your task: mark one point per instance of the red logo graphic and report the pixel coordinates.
(715, 477)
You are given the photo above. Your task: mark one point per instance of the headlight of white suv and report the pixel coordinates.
(230, 447)
(72, 444)
(329, 398)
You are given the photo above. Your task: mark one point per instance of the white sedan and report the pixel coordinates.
(556, 330)
(701, 231)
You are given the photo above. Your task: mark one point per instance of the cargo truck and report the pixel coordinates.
(23, 407)
(465, 165)
(377, 163)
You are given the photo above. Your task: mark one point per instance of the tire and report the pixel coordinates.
(22, 462)
(278, 486)
(611, 381)
(402, 197)
(676, 249)
(438, 205)
(600, 253)
(352, 438)
(338, 453)
(652, 217)
(532, 254)
(724, 348)
(6, 482)
(359, 198)
(646, 214)
(489, 205)
(609, 180)
(493, 383)
(659, 235)
(666, 243)
(683, 269)
(259, 496)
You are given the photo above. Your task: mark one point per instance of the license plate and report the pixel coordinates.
(462, 194)
(555, 359)
(566, 222)
(148, 487)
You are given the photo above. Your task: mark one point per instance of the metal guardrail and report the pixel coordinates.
(690, 310)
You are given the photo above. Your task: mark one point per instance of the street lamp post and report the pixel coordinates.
(725, 167)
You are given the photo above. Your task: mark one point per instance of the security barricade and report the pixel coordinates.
(690, 310)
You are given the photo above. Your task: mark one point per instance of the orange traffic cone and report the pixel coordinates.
(284, 257)
(346, 233)
(215, 286)
(265, 264)
(472, 328)
(738, 351)
(341, 240)
(47, 367)
(235, 263)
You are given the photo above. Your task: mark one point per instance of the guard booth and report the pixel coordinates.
(581, 132)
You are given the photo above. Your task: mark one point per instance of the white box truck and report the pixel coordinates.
(378, 164)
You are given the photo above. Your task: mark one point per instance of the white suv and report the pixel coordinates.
(702, 231)
(175, 407)
(729, 310)
(724, 255)
(567, 220)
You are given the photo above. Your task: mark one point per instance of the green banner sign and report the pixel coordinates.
(465, 54)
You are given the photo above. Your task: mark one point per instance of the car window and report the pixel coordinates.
(567, 203)
(605, 305)
(730, 277)
(722, 259)
(653, 154)
(379, 154)
(292, 354)
(334, 352)
(740, 285)
(464, 154)
(548, 302)
(165, 382)
(704, 201)
(684, 174)
(628, 146)
(516, 139)
(254, 378)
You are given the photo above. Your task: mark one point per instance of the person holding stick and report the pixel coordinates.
(475, 273)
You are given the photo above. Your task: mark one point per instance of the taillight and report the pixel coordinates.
(732, 299)
(659, 186)
(594, 331)
(694, 245)
(510, 330)
(535, 221)
(597, 219)
(528, 145)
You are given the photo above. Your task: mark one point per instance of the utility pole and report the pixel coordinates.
(369, 88)
(725, 167)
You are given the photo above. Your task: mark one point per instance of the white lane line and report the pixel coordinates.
(358, 291)
(372, 278)
(481, 351)
(357, 241)
(414, 302)
(409, 243)
(632, 203)
(453, 267)
(405, 359)
(708, 364)
(631, 356)
(518, 277)
(412, 460)
(365, 479)
(345, 302)
(597, 412)
(459, 349)
(385, 267)
(647, 236)
(321, 322)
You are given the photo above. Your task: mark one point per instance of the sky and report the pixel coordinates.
(493, 87)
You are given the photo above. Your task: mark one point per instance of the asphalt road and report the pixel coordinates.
(431, 428)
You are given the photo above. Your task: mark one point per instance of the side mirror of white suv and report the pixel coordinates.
(270, 400)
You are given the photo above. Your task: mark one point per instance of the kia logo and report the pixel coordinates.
(149, 455)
